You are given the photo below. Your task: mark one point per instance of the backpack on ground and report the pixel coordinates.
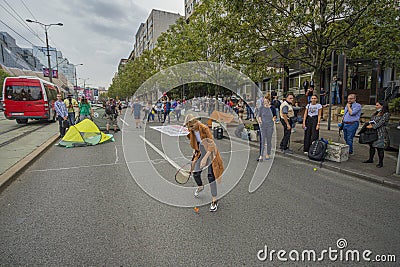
(317, 150)
(110, 109)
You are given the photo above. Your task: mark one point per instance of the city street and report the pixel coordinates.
(81, 206)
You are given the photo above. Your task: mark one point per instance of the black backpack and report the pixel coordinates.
(276, 103)
(317, 150)
(110, 109)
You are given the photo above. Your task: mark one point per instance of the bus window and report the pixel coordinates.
(23, 93)
(51, 93)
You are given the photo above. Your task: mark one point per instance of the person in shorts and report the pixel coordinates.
(136, 108)
(111, 115)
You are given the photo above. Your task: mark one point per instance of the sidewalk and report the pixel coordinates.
(353, 166)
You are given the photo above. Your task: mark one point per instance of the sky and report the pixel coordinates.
(96, 33)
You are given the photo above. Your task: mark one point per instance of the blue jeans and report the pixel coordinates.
(62, 129)
(335, 95)
(71, 118)
(277, 115)
(349, 131)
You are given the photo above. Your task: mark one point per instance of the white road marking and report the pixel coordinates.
(116, 155)
(124, 122)
(76, 167)
(162, 154)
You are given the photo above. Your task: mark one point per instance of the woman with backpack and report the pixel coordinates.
(378, 122)
(311, 122)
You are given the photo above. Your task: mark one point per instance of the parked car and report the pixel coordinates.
(1, 104)
(394, 135)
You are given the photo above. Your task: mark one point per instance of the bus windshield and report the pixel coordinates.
(23, 93)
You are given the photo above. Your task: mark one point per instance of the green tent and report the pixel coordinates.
(85, 133)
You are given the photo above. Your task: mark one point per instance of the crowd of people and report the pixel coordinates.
(267, 112)
(69, 111)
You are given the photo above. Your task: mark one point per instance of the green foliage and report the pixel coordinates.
(249, 126)
(259, 37)
(303, 33)
(394, 105)
(3, 75)
(379, 35)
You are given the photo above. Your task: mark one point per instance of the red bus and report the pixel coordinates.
(29, 98)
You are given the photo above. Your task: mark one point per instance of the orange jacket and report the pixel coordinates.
(217, 163)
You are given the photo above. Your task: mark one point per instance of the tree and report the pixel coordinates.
(379, 36)
(301, 32)
(3, 75)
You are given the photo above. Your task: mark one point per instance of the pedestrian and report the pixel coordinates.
(379, 121)
(240, 108)
(335, 91)
(311, 122)
(309, 94)
(287, 118)
(266, 119)
(159, 109)
(111, 115)
(85, 109)
(312, 84)
(152, 112)
(136, 108)
(71, 105)
(147, 110)
(167, 109)
(297, 118)
(62, 113)
(351, 118)
(178, 109)
(211, 106)
(205, 154)
(305, 86)
(322, 95)
(119, 105)
(277, 104)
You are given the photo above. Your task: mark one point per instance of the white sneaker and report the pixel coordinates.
(214, 206)
(198, 190)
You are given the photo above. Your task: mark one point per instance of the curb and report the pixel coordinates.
(370, 178)
(8, 176)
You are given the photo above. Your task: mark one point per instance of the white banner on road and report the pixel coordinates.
(172, 130)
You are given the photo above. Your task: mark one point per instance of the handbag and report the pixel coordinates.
(368, 136)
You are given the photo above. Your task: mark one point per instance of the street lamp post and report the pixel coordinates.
(76, 80)
(84, 83)
(46, 27)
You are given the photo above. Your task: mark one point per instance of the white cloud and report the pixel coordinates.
(97, 33)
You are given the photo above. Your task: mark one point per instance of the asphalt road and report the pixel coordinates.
(81, 206)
